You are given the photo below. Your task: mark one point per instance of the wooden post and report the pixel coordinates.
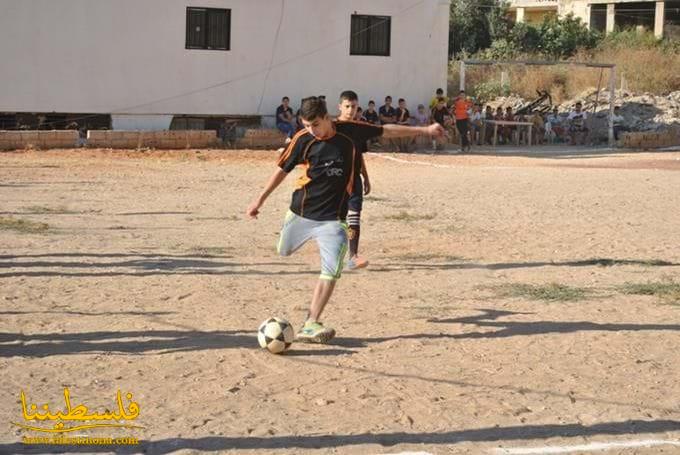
(612, 100)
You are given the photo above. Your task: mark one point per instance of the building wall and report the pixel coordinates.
(129, 56)
(536, 17)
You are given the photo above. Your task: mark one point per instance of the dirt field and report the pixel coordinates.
(500, 312)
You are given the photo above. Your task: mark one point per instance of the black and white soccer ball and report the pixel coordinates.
(276, 335)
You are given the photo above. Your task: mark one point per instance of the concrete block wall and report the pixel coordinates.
(12, 140)
(648, 140)
(261, 138)
(152, 139)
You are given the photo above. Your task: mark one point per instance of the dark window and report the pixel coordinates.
(632, 15)
(671, 26)
(598, 17)
(370, 35)
(208, 28)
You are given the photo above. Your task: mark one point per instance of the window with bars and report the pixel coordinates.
(370, 35)
(208, 28)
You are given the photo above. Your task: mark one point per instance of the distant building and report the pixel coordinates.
(662, 17)
(145, 63)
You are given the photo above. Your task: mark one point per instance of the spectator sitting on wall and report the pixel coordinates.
(435, 100)
(388, 114)
(402, 118)
(476, 123)
(285, 121)
(403, 114)
(499, 116)
(509, 130)
(420, 118)
(371, 115)
(359, 116)
(487, 129)
(578, 130)
(538, 128)
(553, 126)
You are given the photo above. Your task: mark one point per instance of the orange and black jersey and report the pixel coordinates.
(329, 168)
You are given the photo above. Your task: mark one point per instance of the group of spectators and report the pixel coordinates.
(466, 122)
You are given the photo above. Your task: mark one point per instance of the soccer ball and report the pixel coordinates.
(276, 335)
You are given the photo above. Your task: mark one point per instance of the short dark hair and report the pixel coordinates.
(371, 102)
(285, 98)
(312, 108)
(440, 91)
(322, 97)
(349, 95)
(388, 97)
(402, 100)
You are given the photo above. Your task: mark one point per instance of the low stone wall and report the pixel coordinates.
(152, 139)
(15, 140)
(646, 140)
(261, 138)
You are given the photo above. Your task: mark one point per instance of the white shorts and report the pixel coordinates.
(331, 236)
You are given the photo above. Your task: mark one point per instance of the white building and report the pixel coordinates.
(662, 17)
(145, 61)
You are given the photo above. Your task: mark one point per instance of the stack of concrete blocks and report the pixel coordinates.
(649, 140)
(261, 138)
(181, 139)
(20, 140)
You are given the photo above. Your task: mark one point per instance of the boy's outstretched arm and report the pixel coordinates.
(274, 181)
(393, 131)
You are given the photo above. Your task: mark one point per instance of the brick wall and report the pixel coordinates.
(11, 140)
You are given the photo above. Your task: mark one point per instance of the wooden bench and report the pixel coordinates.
(495, 123)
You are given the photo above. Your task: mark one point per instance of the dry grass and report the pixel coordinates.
(668, 291)
(23, 226)
(653, 69)
(407, 217)
(552, 292)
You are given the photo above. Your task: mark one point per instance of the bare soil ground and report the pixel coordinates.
(494, 313)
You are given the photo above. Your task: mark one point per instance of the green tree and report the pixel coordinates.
(475, 24)
(562, 37)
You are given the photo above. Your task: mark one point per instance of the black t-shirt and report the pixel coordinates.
(387, 111)
(439, 114)
(371, 117)
(402, 116)
(329, 165)
(280, 110)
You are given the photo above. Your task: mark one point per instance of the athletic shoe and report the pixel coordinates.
(315, 332)
(355, 262)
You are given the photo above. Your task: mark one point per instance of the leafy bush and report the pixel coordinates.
(486, 91)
